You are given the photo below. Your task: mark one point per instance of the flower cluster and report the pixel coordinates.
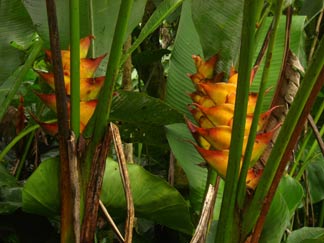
(89, 85)
(213, 109)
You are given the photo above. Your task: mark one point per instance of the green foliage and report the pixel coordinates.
(307, 235)
(10, 192)
(154, 199)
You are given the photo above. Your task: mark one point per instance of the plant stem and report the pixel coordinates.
(286, 139)
(23, 157)
(17, 139)
(228, 229)
(102, 113)
(67, 223)
(75, 66)
(258, 107)
(306, 140)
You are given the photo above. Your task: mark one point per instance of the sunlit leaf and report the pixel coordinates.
(307, 235)
(219, 31)
(16, 28)
(288, 197)
(153, 198)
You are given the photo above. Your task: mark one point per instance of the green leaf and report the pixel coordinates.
(306, 235)
(154, 198)
(104, 19)
(315, 175)
(277, 220)
(6, 179)
(41, 191)
(178, 136)
(186, 44)
(219, 24)
(140, 108)
(292, 192)
(189, 159)
(16, 27)
(296, 45)
(142, 117)
(161, 13)
(10, 199)
(10, 192)
(288, 197)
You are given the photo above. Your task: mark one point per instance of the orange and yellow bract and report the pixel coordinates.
(213, 109)
(89, 85)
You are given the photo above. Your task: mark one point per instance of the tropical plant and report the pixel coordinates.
(216, 102)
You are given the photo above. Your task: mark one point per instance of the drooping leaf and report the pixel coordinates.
(306, 235)
(186, 44)
(288, 197)
(153, 198)
(219, 31)
(141, 117)
(16, 28)
(41, 191)
(292, 191)
(277, 220)
(10, 192)
(315, 175)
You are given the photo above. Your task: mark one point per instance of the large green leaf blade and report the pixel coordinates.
(41, 191)
(141, 118)
(219, 24)
(186, 44)
(306, 235)
(104, 17)
(178, 136)
(153, 198)
(10, 192)
(288, 197)
(16, 26)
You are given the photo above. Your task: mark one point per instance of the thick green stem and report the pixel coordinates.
(228, 227)
(258, 107)
(75, 66)
(305, 96)
(101, 116)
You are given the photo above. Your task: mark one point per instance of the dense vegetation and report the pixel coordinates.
(86, 86)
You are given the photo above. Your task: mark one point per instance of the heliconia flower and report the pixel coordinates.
(218, 92)
(89, 85)
(205, 68)
(213, 109)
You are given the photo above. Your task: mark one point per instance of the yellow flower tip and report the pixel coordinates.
(218, 159)
(219, 114)
(48, 99)
(253, 177)
(233, 79)
(205, 68)
(84, 45)
(87, 109)
(218, 92)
